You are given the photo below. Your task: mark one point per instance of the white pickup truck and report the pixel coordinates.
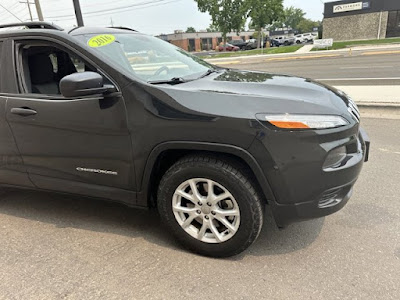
(283, 41)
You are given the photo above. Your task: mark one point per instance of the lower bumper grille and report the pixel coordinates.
(331, 198)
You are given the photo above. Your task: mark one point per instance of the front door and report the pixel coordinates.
(79, 145)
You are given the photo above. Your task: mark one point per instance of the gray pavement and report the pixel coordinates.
(360, 68)
(370, 77)
(64, 247)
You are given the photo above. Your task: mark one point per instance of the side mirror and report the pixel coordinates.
(82, 84)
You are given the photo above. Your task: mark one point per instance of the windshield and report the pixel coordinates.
(149, 58)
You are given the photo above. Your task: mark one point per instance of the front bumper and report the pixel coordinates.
(302, 188)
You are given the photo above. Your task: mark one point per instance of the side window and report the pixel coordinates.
(43, 67)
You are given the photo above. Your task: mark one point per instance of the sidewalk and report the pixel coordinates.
(378, 96)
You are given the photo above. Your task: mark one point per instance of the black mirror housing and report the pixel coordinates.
(82, 84)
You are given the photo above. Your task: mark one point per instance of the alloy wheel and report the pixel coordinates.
(206, 210)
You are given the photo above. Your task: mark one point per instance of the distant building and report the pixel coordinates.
(361, 20)
(287, 32)
(203, 40)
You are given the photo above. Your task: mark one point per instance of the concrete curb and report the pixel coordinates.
(380, 111)
(382, 105)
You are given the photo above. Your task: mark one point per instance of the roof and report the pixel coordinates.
(98, 30)
(50, 28)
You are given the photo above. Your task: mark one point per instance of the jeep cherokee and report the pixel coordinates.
(115, 114)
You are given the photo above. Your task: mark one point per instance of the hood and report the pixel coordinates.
(243, 94)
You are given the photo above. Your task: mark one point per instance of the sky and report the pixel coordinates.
(147, 16)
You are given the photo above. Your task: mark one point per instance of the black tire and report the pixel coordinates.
(232, 176)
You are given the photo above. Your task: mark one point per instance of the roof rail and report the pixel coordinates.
(33, 25)
(123, 28)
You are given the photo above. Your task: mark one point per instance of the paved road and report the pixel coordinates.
(373, 67)
(63, 247)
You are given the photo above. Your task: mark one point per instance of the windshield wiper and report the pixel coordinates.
(209, 71)
(175, 80)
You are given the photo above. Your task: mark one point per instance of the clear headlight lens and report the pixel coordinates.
(289, 121)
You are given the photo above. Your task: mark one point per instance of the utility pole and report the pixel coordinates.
(78, 13)
(39, 10)
(112, 23)
(29, 8)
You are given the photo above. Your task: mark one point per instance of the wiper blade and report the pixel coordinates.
(209, 71)
(175, 80)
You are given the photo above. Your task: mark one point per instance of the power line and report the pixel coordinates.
(125, 8)
(9, 8)
(1, 5)
(90, 5)
(29, 8)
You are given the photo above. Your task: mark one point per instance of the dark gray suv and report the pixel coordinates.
(114, 114)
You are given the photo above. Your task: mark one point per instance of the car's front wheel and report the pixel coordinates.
(210, 206)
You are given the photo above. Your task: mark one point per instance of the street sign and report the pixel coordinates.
(324, 43)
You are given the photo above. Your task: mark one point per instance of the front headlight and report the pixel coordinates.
(289, 121)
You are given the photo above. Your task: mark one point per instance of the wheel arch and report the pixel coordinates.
(173, 151)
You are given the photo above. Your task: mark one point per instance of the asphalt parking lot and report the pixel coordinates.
(64, 247)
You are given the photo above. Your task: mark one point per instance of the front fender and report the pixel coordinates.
(240, 153)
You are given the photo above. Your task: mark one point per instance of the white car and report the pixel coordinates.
(306, 37)
(299, 39)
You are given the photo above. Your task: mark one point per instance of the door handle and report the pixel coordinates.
(23, 111)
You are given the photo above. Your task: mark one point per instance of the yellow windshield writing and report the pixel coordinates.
(101, 40)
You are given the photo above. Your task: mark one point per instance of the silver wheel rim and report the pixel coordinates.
(206, 210)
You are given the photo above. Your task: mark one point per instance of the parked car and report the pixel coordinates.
(253, 43)
(227, 47)
(239, 43)
(208, 146)
(300, 39)
(275, 43)
(283, 41)
(308, 37)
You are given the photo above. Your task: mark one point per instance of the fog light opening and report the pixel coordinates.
(335, 157)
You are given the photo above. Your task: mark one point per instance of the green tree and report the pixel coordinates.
(264, 12)
(226, 15)
(190, 30)
(307, 25)
(212, 28)
(293, 16)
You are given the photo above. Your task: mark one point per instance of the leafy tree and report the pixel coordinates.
(212, 28)
(293, 16)
(264, 12)
(190, 30)
(307, 25)
(226, 15)
(257, 35)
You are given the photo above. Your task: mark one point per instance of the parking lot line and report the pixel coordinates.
(227, 62)
(302, 57)
(381, 52)
(366, 67)
(358, 79)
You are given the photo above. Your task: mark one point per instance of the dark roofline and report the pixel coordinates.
(33, 25)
